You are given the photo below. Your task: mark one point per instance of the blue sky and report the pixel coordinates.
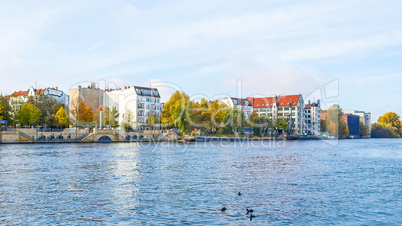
(205, 47)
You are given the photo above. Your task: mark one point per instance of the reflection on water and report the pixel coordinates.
(309, 182)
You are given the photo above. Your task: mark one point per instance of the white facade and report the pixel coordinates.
(287, 107)
(243, 105)
(313, 118)
(18, 98)
(143, 102)
(57, 94)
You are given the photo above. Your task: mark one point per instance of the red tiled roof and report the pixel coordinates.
(7, 97)
(308, 106)
(40, 91)
(287, 100)
(261, 102)
(268, 101)
(19, 93)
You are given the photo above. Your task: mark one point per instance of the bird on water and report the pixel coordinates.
(239, 193)
(249, 211)
(223, 209)
(251, 217)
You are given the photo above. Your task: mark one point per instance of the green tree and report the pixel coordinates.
(384, 131)
(234, 120)
(109, 117)
(62, 118)
(28, 114)
(128, 121)
(323, 126)
(181, 114)
(112, 117)
(281, 124)
(257, 126)
(335, 116)
(48, 106)
(364, 131)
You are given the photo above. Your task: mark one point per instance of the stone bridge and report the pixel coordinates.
(102, 136)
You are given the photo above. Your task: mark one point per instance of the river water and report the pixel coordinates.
(300, 182)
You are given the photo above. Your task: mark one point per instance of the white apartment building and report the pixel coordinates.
(143, 102)
(288, 107)
(18, 98)
(313, 118)
(365, 118)
(243, 105)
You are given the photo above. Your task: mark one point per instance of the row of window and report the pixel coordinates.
(148, 99)
(148, 106)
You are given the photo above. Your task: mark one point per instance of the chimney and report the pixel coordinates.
(125, 87)
(57, 88)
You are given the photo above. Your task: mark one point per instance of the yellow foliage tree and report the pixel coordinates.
(2, 110)
(332, 128)
(62, 118)
(390, 118)
(85, 112)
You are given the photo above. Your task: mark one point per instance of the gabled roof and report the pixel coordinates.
(288, 100)
(40, 91)
(281, 101)
(19, 93)
(262, 102)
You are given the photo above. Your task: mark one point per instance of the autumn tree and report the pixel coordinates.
(332, 128)
(109, 117)
(62, 117)
(128, 120)
(387, 126)
(28, 114)
(82, 113)
(85, 112)
(48, 106)
(167, 117)
(234, 121)
(390, 118)
(335, 116)
(2, 110)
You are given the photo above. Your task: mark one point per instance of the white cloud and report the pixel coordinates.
(269, 81)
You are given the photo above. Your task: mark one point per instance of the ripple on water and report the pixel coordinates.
(299, 183)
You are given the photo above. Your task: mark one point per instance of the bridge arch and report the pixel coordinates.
(105, 138)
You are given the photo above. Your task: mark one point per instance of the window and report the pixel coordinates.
(286, 108)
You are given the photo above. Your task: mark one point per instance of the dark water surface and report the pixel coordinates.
(307, 182)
